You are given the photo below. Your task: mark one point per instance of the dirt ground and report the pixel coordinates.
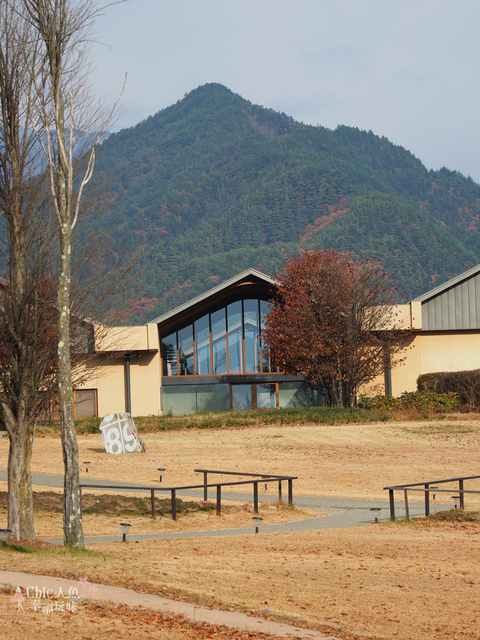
(393, 580)
(352, 461)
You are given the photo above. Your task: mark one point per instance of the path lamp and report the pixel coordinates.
(257, 521)
(161, 470)
(86, 463)
(455, 500)
(4, 535)
(376, 512)
(433, 489)
(125, 526)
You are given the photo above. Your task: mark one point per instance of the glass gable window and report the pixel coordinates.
(264, 310)
(252, 336)
(185, 351)
(227, 340)
(235, 337)
(219, 341)
(169, 355)
(202, 345)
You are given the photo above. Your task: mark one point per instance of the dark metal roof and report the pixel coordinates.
(454, 305)
(251, 277)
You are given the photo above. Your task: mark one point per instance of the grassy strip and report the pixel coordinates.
(262, 417)
(452, 516)
(116, 505)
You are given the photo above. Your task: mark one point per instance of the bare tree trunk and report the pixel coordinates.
(58, 22)
(72, 517)
(20, 499)
(16, 86)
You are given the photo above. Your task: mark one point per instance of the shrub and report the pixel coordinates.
(465, 384)
(419, 400)
(88, 425)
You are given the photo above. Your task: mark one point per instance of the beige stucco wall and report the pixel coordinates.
(430, 353)
(450, 352)
(144, 338)
(106, 372)
(407, 316)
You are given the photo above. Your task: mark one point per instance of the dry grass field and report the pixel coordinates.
(391, 580)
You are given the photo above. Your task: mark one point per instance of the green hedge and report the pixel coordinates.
(419, 400)
(466, 384)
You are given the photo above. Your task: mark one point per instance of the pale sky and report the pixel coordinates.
(406, 69)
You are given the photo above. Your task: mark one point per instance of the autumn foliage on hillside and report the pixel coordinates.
(333, 321)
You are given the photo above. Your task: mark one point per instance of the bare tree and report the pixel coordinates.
(63, 27)
(27, 349)
(41, 156)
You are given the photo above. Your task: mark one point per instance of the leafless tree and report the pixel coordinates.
(69, 117)
(27, 348)
(46, 160)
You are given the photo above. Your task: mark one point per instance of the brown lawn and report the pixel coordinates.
(404, 581)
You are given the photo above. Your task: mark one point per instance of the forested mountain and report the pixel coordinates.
(214, 184)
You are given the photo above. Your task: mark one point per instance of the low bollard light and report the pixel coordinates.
(455, 500)
(125, 526)
(4, 535)
(86, 466)
(257, 521)
(161, 471)
(376, 512)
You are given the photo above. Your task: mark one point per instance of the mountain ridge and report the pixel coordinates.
(214, 184)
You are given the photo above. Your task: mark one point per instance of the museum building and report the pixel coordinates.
(213, 357)
(208, 354)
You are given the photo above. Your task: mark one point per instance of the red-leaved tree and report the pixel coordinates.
(333, 321)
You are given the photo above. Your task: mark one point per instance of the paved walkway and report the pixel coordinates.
(340, 512)
(119, 595)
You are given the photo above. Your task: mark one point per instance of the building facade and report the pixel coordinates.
(208, 354)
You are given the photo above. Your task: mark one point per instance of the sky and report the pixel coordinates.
(408, 70)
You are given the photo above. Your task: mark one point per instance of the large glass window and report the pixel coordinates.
(235, 337)
(256, 396)
(241, 396)
(298, 394)
(264, 310)
(219, 341)
(266, 396)
(192, 398)
(185, 351)
(225, 341)
(180, 400)
(169, 355)
(252, 336)
(202, 345)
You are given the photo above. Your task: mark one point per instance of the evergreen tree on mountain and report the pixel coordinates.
(214, 184)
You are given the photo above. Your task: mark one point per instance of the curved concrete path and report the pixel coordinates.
(340, 512)
(119, 595)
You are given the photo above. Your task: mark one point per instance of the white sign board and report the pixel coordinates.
(120, 435)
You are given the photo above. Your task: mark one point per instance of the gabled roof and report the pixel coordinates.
(454, 305)
(449, 284)
(250, 277)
